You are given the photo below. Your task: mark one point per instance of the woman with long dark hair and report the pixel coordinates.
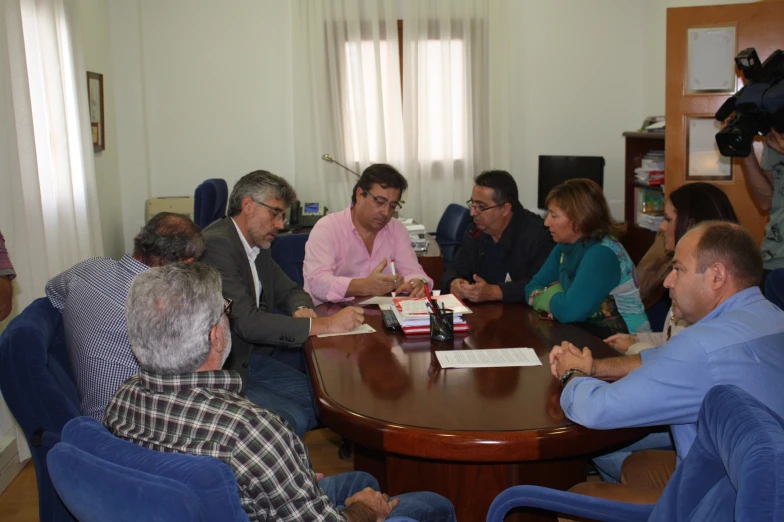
(687, 206)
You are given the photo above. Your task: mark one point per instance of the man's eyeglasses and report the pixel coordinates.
(479, 207)
(381, 201)
(277, 213)
(227, 305)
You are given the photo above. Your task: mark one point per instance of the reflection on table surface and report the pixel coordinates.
(397, 379)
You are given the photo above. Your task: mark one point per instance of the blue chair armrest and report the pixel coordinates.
(564, 502)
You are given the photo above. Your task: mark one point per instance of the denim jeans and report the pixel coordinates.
(421, 506)
(278, 387)
(609, 465)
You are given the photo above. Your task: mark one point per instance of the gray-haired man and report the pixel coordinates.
(238, 246)
(183, 402)
(91, 296)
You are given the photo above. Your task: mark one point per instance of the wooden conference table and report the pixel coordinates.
(464, 433)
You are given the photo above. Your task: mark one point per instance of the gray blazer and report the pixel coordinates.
(253, 326)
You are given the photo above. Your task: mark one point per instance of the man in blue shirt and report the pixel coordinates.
(736, 338)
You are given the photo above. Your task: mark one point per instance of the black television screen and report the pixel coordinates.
(554, 170)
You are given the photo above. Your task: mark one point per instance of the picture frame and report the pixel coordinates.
(704, 161)
(95, 102)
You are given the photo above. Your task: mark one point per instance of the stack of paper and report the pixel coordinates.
(414, 317)
(417, 235)
(651, 169)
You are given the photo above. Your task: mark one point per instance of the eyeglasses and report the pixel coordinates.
(381, 201)
(227, 305)
(479, 209)
(277, 213)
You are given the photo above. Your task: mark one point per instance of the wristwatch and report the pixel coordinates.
(301, 307)
(568, 375)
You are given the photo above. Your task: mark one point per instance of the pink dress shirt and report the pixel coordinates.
(335, 254)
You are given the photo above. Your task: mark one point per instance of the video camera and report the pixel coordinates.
(757, 107)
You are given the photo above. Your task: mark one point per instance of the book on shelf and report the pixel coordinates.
(651, 169)
(648, 208)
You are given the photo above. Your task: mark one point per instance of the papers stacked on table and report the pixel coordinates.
(414, 318)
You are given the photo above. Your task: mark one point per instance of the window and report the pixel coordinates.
(372, 109)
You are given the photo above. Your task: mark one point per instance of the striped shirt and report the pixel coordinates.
(91, 296)
(202, 413)
(6, 268)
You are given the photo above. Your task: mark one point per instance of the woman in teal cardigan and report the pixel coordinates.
(588, 277)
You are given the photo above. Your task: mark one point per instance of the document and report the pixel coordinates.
(497, 357)
(380, 301)
(362, 329)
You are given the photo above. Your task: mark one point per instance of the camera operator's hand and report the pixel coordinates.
(775, 141)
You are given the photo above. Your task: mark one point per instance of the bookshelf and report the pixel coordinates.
(637, 240)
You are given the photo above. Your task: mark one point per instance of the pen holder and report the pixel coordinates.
(442, 326)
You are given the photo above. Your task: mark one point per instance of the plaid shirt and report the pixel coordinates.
(202, 413)
(6, 268)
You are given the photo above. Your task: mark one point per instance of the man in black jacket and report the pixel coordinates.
(504, 247)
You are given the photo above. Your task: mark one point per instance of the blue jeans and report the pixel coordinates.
(609, 465)
(278, 387)
(421, 506)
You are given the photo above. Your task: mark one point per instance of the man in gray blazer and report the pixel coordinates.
(238, 246)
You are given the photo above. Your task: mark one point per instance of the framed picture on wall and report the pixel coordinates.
(97, 121)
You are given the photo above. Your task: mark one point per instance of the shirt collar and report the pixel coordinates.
(132, 265)
(220, 379)
(250, 252)
(738, 300)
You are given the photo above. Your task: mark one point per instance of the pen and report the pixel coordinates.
(392, 265)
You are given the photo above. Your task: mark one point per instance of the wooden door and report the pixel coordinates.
(759, 25)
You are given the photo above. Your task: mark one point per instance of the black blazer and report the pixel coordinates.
(526, 243)
(253, 326)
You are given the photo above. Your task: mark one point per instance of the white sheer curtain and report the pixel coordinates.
(48, 202)
(348, 102)
(445, 102)
(347, 98)
(48, 206)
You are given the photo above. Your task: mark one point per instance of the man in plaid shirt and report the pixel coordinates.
(6, 274)
(182, 401)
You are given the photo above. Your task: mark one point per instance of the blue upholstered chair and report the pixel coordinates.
(734, 471)
(103, 477)
(451, 227)
(288, 251)
(774, 287)
(37, 384)
(209, 201)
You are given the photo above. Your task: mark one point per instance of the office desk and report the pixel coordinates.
(464, 433)
(432, 261)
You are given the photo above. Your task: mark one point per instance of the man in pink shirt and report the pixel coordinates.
(349, 253)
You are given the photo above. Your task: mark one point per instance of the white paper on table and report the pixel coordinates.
(498, 357)
(362, 329)
(380, 300)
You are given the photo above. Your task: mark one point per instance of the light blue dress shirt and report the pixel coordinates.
(741, 342)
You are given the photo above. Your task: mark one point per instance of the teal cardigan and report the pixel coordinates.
(589, 271)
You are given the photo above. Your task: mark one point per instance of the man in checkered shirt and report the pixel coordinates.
(182, 401)
(91, 297)
(6, 275)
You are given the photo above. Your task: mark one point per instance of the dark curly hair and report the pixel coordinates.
(168, 238)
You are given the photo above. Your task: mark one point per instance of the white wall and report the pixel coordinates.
(576, 86)
(96, 45)
(203, 90)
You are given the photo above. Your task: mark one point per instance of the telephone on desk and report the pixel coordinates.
(306, 214)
